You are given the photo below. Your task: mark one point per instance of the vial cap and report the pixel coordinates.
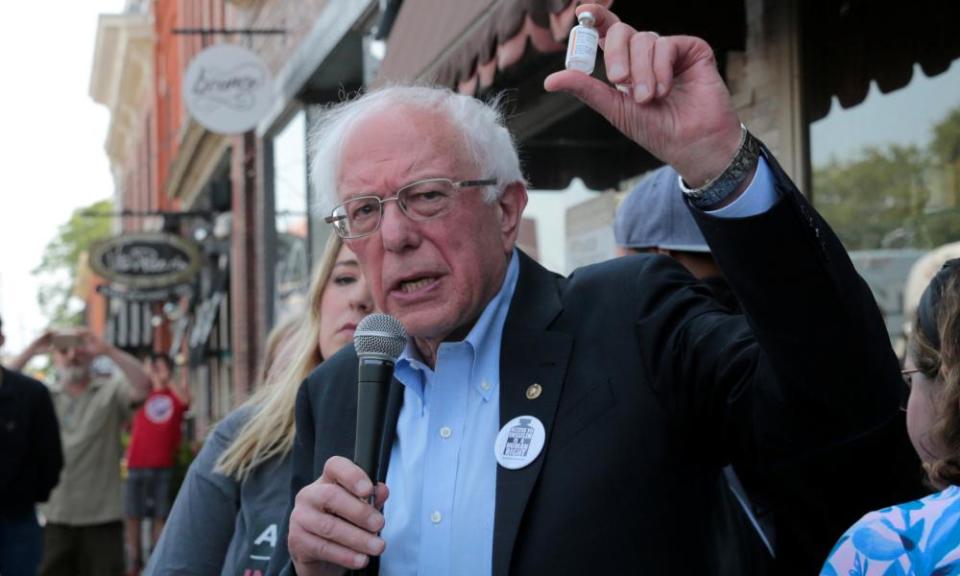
(586, 19)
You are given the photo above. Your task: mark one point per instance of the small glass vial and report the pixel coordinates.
(582, 45)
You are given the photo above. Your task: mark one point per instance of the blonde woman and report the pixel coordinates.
(226, 517)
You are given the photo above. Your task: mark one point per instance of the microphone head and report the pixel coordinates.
(380, 336)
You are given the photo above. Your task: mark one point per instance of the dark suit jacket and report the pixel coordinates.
(30, 453)
(649, 388)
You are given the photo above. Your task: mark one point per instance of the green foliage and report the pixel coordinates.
(61, 256)
(895, 196)
(946, 138)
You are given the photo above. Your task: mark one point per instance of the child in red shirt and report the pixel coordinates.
(151, 454)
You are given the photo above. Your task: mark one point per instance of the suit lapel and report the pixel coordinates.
(394, 403)
(529, 354)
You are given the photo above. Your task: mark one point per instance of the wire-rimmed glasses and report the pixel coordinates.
(421, 200)
(907, 374)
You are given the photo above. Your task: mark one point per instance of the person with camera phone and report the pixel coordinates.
(84, 530)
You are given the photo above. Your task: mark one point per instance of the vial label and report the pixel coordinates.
(582, 49)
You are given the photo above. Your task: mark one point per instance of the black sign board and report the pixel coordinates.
(146, 260)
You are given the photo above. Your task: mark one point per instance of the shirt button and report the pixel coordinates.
(446, 432)
(436, 517)
(485, 385)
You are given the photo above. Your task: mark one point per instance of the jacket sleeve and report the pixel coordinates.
(809, 364)
(803, 390)
(46, 439)
(302, 474)
(201, 524)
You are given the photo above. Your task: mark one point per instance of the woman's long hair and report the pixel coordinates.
(936, 350)
(270, 430)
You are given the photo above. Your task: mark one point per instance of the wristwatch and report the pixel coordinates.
(715, 190)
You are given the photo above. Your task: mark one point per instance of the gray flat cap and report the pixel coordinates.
(654, 215)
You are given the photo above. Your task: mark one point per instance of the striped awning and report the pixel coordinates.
(850, 44)
(466, 44)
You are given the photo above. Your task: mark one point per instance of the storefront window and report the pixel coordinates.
(886, 176)
(291, 270)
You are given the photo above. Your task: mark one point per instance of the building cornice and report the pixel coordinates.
(121, 76)
(198, 156)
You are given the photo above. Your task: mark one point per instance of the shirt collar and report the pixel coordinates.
(484, 334)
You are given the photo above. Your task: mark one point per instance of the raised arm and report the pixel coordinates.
(39, 346)
(132, 368)
(816, 321)
(794, 392)
(180, 387)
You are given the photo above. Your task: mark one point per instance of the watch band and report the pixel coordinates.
(717, 189)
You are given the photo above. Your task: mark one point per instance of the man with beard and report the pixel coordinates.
(84, 531)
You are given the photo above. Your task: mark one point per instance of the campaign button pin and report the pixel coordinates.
(519, 442)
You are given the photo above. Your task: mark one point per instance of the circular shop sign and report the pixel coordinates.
(227, 89)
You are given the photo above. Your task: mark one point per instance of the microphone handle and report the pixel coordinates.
(373, 384)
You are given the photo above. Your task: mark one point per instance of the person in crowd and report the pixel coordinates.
(84, 530)
(921, 536)
(151, 455)
(30, 461)
(554, 425)
(226, 517)
(652, 218)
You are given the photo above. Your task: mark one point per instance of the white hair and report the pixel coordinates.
(481, 126)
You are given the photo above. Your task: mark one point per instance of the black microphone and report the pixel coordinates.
(379, 340)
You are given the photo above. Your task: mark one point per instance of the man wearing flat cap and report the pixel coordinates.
(653, 218)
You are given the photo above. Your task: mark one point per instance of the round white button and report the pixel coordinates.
(436, 517)
(446, 432)
(485, 385)
(519, 442)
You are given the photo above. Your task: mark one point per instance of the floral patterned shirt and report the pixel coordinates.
(917, 538)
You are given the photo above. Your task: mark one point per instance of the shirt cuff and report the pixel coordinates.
(759, 196)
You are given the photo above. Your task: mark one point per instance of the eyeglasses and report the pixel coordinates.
(420, 200)
(907, 374)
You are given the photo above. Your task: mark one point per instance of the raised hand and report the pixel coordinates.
(91, 342)
(671, 99)
(43, 343)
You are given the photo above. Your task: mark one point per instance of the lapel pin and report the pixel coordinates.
(534, 391)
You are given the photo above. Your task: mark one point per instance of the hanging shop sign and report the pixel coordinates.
(228, 89)
(150, 260)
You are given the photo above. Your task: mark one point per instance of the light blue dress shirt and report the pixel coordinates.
(443, 472)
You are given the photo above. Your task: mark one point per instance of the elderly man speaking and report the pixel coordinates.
(575, 425)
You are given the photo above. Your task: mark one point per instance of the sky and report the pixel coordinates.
(904, 116)
(52, 158)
